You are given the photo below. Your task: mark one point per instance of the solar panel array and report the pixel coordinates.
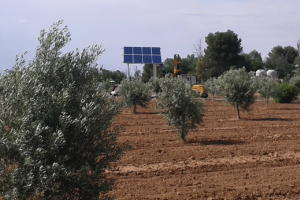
(142, 55)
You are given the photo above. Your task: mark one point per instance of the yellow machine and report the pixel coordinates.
(200, 88)
(177, 62)
(188, 77)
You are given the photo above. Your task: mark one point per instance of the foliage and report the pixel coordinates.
(188, 64)
(223, 50)
(54, 138)
(135, 93)
(266, 87)
(285, 93)
(180, 106)
(251, 61)
(148, 72)
(199, 49)
(155, 85)
(169, 65)
(295, 80)
(297, 65)
(106, 85)
(137, 74)
(238, 88)
(117, 76)
(298, 47)
(204, 70)
(212, 86)
(281, 59)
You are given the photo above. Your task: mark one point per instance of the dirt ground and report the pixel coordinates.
(256, 157)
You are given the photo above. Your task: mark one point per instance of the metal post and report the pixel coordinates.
(128, 72)
(154, 71)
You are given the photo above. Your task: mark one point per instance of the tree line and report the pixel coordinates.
(224, 51)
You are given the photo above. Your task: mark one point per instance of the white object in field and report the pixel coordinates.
(261, 72)
(272, 73)
(116, 91)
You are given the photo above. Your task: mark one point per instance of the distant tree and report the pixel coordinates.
(203, 70)
(212, 86)
(180, 105)
(188, 64)
(117, 75)
(295, 81)
(155, 85)
(135, 93)
(199, 49)
(282, 60)
(251, 61)
(267, 87)
(238, 88)
(137, 74)
(223, 50)
(297, 59)
(169, 65)
(55, 138)
(148, 72)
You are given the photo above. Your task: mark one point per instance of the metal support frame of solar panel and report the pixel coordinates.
(142, 55)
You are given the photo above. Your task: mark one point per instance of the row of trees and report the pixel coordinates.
(178, 102)
(224, 51)
(56, 139)
(237, 87)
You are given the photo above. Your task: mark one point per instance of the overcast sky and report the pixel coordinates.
(173, 25)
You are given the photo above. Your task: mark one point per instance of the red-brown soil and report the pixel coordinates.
(256, 157)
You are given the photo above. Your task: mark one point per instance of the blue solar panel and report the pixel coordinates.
(147, 50)
(137, 59)
(147, 59)
(155, 51)
(156, 59)
(127, 50)
(142, 55)
(137, 50)
(128, 59)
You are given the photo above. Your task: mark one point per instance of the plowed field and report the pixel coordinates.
(256, 157)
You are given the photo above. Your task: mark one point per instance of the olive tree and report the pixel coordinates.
(55, 135)
(295, 80)
(155, 85)
(237, 87)
(135, 93)
(267, 88)
(212, 86)
(180, 105)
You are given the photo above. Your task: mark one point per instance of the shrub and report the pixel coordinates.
(55, 140)
(180, 106)
(212, 86)
(238, 88)
(295, 80)
(135, 93)
(285, 93)
(266, 88)
(155, 85)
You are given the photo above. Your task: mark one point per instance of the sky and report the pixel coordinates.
(173, 25)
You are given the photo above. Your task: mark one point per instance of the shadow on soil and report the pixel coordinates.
(270, 119)
(148, 113)
(217, 142)
(285, 108)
